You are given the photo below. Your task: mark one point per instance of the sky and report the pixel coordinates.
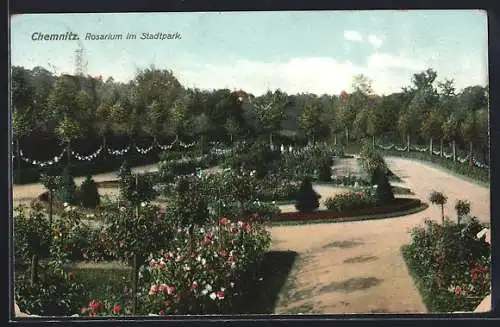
(297, 51)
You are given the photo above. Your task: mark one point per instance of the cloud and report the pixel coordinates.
(389, 72)
(353, 36)
(375, 41)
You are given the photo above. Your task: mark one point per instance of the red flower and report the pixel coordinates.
(161, 265)
(475, 276)
(162, 313)
(235, 230)
(116, 309)
(220, 295)
(95, 305)
(458, 290)
(91, 313)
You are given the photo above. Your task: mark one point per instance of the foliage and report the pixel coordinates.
(187, 207)
(350, 201)
(137, 188)
(125, 169)
(307, 198)
(89, 194)
(127, 233)
(450, 265)
(438, 198)
(66, 191)
(462, 207)
(32, 233)
(54, 294)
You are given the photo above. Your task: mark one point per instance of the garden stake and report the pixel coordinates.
(34, 269)
(134, 280)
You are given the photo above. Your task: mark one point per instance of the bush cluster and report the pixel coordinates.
(450, 266)
(350, 201)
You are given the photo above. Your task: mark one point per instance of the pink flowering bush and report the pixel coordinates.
(450, 266)
(203, 279)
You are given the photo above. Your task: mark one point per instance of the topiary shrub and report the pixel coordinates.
(307, 198)
(89, 195)
(125, 169)
(383, 194)
(67, 191)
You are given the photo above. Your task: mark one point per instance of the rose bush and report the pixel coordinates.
(203, 279)
(350, 201)
(449, 264)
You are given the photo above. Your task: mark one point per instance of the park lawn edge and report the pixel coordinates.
(443, 169)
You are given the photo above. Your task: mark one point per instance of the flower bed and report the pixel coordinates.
(399, 204)
(197, 277)
(450, 266)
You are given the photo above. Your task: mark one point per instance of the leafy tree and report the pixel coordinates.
(469, 131)
(439, 198)
(307, 198)
(451, 131)
(312, 121)
(432, 127)
(270, 112)
(51, 184)
(67, 131)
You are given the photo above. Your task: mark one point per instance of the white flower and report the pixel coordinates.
(222, 289)
(123, 209)
(208, 287)
(232, 284)
(65, 204)
(233, 265)
(213, 296)
(203, 261)
(67, 209)
(198, 258)
(204, 292)
(202, 230)
(143, 204)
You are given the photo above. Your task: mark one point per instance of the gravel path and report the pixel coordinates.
(356, 267)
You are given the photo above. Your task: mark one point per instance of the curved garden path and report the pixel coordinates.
(352, 267)
(356, 267)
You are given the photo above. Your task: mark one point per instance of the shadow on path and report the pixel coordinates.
(261, 296)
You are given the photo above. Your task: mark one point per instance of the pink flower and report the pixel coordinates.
(162, 288)
(161, 313)
(458, 290)
(170, 289)
(220, 295)
(122, 244)
(153, 290)
(223, 252)
(116, 309)
(194, 285)
(95, 305)
(224, 221)
(84, 310)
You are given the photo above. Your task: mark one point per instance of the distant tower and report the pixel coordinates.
(80, 60)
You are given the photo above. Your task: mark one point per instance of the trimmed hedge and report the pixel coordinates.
(399, 204)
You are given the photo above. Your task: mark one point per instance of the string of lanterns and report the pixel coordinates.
(437, 153)
(95, 154)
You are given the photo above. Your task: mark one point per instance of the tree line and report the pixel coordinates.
(155, 106)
